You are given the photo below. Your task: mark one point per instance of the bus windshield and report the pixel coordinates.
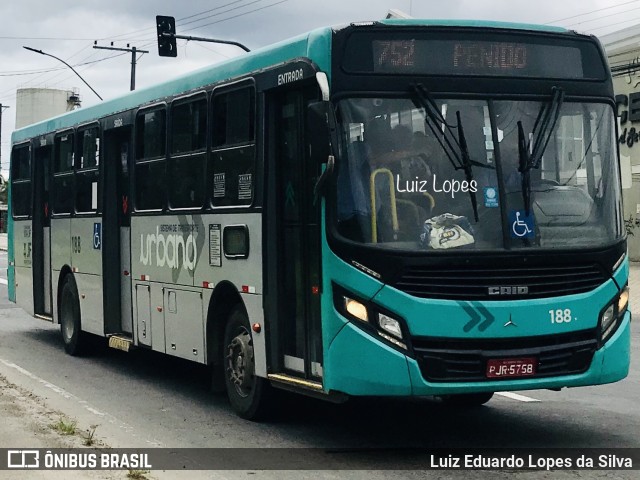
(456, 174)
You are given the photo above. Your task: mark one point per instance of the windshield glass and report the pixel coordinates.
(458, 175)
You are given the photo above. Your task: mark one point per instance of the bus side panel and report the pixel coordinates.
(213, 266)
(253, 304)
(23, 267)
(60, 256)
(183, 325)
(86, 260)
(90, 295)
(60, 245)
(162, 248)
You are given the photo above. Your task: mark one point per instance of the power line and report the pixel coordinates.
(604, 16)
(236, 16)
(220, 13)
(67, 39)
(592, 11)
(614, 24)
(178, 20)
(34, 72)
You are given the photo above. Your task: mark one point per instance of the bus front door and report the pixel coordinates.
(41, 233)
(116, 247)
(293, 239)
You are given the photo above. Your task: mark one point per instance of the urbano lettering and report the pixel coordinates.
(170, 250)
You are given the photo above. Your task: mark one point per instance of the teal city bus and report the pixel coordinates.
(394, 208)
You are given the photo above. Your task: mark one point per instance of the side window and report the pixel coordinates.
(63, 184)
(21, 181)
(87, 175)
(232, 163)
(188, 153)
(150, 159)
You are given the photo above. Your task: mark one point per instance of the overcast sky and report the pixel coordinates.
(67, 29)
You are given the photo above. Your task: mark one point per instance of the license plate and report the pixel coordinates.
(511, 367)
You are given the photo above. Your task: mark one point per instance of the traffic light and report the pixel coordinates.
(166, 27)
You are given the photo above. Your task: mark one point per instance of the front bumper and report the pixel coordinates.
(359, 364)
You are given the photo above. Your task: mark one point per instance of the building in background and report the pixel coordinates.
(36, 104)
(623, 50)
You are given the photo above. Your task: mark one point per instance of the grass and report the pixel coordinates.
(137, 474)
(65, 428)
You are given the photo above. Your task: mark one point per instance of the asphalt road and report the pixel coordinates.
(144, 399)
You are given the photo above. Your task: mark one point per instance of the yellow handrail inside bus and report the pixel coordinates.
(392, 197)
(432, 201)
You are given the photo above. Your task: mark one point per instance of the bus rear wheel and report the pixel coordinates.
(72, 336)
(248, 394)
(467, 399)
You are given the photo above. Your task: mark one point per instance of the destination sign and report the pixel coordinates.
(473, 53)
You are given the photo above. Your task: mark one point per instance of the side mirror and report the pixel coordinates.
(322, 131)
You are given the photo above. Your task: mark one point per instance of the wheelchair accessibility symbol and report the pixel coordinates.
(97, 236)
(522, 225)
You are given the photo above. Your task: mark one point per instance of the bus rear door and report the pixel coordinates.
(41, 233)
(116, 226)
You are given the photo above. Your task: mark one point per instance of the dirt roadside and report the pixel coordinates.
(27, 422)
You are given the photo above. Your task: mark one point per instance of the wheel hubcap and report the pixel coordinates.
(240, 369)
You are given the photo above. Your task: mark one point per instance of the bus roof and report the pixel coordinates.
(313, 45)
(474, 23)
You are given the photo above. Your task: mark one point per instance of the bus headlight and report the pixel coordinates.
(390, 325)
(356, 309)
(369, 317)
(611, 317)
(623, 301)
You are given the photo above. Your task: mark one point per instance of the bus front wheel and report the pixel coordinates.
(467, 399)
(72, 335)
(248, 394)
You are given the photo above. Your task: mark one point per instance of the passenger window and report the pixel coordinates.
(63, 181)
(188, 126)
(151, 134)
(87, 174)
(232, 163)
(21, 181)
(150, 160)
(188, 155)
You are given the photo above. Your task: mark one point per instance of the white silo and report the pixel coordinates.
(36, 104)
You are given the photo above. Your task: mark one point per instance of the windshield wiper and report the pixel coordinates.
(426, 102)
(531, 156)
(466, 162)
(456, 149)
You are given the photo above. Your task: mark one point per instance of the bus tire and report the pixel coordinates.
(248, 394)
(467, 399)
(72, 336)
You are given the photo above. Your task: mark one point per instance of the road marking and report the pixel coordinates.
(4, 282)
(70, 396)
(515, 396)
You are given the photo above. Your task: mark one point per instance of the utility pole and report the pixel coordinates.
(2, 107)
(133, 51)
